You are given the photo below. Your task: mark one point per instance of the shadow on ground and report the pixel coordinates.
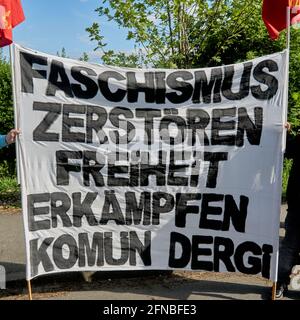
(162, 284)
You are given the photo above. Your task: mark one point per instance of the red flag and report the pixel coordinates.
(274, 14)
(11, 14)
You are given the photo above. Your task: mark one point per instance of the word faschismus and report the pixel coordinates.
(157, 86)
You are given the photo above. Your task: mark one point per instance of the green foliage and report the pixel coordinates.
(9, 188)
(62, 53)
(9, 192)
(6, 104)
(4, 169)
(84, 57)
(285, 176)
(294, 81)
(189, 33)
(122, 59)
(6, 113)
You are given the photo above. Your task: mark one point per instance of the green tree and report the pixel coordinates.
(195, 33)
(6, 114)
(189, 33)
(294, 80)
(84, 57)
(62, 53)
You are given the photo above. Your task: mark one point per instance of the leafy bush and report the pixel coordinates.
(6, 114)
(9, 190)
(285, 176)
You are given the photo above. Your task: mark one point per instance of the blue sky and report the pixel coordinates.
(51, 25)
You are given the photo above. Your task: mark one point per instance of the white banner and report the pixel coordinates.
(129, 169)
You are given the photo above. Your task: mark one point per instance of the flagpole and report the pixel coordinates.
(17, 123)
(288, 47)
(286, 100)
(16, 117)
(288, 21)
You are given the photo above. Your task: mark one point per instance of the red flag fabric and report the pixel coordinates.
(274, 14)
(11, 14)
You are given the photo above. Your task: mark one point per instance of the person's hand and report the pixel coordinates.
(11, 135)
(288, 126)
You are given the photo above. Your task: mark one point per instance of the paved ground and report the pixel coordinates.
(121, 285)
